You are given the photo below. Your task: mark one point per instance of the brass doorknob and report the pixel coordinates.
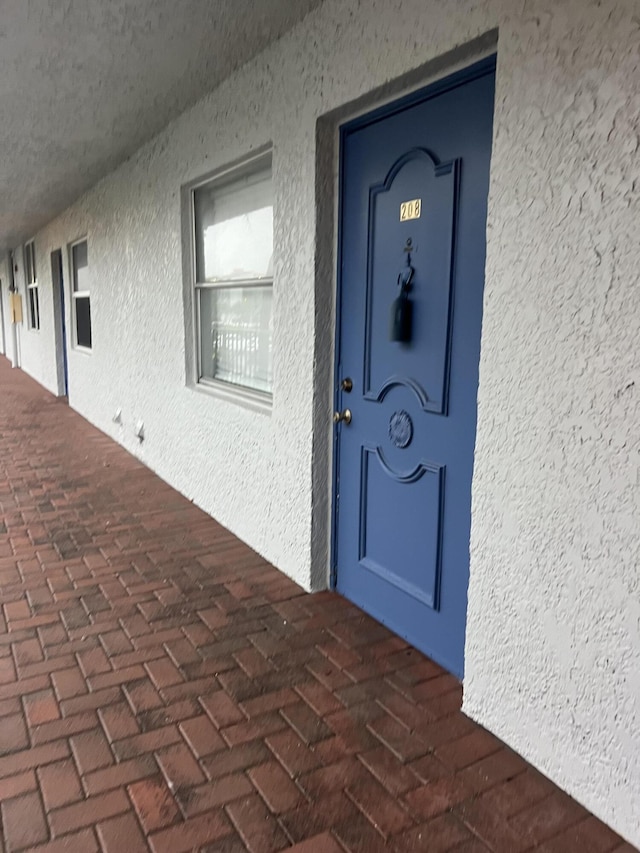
(342, 416)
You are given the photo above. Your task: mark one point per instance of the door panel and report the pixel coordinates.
(431, 238)
(401, 507)
(413, 211)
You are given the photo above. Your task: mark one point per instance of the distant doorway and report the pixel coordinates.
(3, 342)
(59, 314)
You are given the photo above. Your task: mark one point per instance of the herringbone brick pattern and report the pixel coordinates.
(163, 688)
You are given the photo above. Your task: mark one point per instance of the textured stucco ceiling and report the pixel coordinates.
(83, 83)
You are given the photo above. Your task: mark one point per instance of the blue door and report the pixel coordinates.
(57, 277)
(414, 184)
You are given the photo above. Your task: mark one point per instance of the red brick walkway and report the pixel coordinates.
(163, 688)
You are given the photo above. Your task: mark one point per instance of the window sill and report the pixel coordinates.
(245, 397)
(83, 350)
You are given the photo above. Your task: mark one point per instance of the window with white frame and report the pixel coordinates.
(33, 301)
(81, 293)
(233, 276)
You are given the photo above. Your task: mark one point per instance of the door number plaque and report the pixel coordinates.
(410, 209)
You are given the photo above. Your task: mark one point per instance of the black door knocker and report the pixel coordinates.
(401, 315)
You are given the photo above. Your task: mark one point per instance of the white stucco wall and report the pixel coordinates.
(553, 631)
(553, 640)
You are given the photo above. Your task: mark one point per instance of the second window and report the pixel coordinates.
(81, 294)
(33, 301)
(233, 225)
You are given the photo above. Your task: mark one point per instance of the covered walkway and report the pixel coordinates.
(163, 688)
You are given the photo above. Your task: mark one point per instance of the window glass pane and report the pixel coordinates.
(80, 267)
(33, 294)
(28, 263)
(34, 307)
(236, 335)
(83, 321)
(234, 229)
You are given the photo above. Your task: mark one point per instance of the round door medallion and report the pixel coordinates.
(401, 429)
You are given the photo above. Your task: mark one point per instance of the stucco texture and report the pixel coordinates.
(84, 85)
(553, 631)
(553, 637)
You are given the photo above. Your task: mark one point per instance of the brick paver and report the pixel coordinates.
(163, 688)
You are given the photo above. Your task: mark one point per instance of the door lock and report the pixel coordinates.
(342, 416)
(346, 385)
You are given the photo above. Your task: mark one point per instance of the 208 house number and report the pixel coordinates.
(410, 209)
